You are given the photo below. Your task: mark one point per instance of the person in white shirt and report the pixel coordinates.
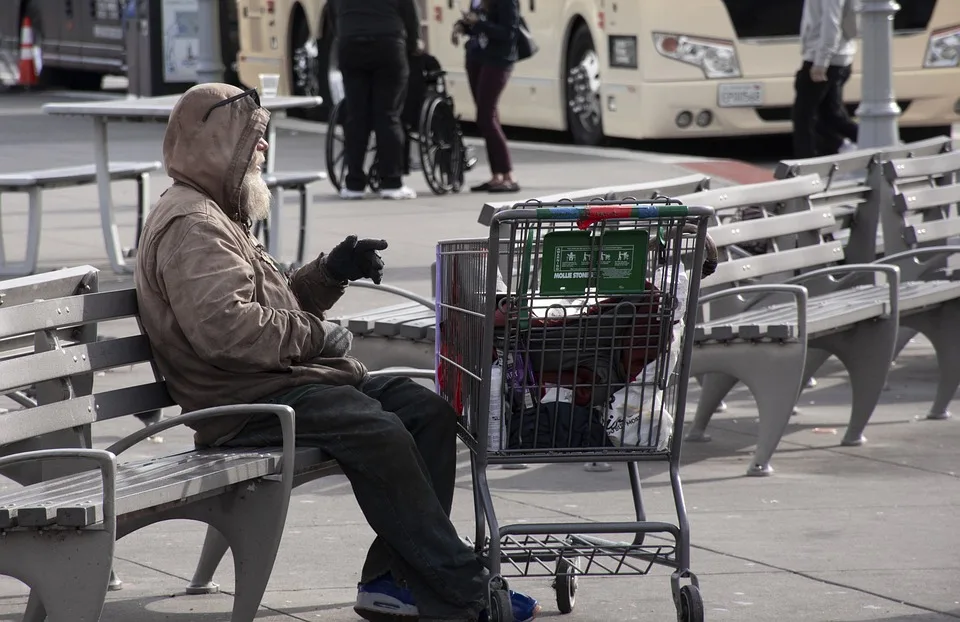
(821, 124)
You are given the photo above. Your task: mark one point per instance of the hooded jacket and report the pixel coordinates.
(225, 325)
(828, 30)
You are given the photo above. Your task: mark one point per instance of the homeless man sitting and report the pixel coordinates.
(228, 327)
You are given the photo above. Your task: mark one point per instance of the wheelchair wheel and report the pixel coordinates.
(441, 149)
(334, 152)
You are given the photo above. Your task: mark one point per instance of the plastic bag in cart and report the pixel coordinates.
(637, 418)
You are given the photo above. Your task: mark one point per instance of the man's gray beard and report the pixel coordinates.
(255, 196)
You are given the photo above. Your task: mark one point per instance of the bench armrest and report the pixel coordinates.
(284, 413)
(892, 274)
(409, 372)
(430, 304)
(918, 252)
(799, 293)
(106, 462)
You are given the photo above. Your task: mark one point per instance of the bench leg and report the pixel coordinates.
(143, 205)
(302, 237)
(772, 373)
(67, 572)
(939, 325)
(866, 352)
(214, 548)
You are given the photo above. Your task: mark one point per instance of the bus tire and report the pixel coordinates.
(582, 89)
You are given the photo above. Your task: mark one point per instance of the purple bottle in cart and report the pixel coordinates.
(518, 388)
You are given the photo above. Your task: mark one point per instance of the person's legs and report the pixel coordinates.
(833, 114)
(490, 84)
(392, 482)
(809, 94)
(358, 97)
(389, 91)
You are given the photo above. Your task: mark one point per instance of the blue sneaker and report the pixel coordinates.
(382, 599)
(525, 608)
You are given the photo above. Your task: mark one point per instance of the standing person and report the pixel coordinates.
(376, 37)
(492, 26)
(827, 32)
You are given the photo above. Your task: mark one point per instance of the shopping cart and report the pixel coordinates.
(562, 337)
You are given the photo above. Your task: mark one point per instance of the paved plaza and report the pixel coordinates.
(836, 534)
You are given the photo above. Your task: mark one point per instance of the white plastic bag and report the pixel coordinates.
(636, 415)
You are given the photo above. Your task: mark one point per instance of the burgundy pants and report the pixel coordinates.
(486, 84)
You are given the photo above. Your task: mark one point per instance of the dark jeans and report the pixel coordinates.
(375, 72)
(486, 85)
(396, 442)
(819, 116)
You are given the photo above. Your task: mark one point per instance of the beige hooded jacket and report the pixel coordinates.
(225, 325)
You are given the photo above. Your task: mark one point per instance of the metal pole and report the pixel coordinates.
(209, 67)
(878, 111)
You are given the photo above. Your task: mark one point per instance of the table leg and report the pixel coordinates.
(111, 236)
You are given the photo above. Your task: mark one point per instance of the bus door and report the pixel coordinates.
(98, 27)
(535, 91)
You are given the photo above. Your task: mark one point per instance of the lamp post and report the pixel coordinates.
(878, 111)
(209, 67)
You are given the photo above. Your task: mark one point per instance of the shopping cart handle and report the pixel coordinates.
(587, 216)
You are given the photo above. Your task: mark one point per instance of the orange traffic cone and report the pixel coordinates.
(28, 69)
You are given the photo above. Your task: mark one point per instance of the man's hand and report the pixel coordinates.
(818, 74)
(471, 18)
(352, 259)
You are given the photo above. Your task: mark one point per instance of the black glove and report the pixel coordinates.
(352, 259)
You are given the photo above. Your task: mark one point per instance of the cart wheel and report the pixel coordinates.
(566, 585)
(501, 607)
(441, 153)
(334, 152)
(690, 608)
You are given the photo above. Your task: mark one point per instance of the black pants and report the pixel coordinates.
(396, 442)
(375, 72)
(820, 120)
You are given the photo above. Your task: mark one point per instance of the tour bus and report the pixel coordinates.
(634, 68)
(80, 41)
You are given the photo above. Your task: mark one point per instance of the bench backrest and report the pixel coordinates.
(768, 232)
(640, 191)
(854, 185)
(925, 209)
(49, 340)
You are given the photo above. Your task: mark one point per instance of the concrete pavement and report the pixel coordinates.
(837, 534)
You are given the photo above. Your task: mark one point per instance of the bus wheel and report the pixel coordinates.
(583, 89)
(304, 67)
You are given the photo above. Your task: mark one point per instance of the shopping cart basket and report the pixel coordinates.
(562, 337)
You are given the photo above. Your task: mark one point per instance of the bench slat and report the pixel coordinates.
(198, 475)
(774, 226)
(69, 311)
(293, 179)
(920, 199)
(931, 231)
(417, 329)
(784, 261)
(18, 425)
(363, 323)
(75, 359)
(724, 199)
(390, 326)
(74, 175)
(926, 166)
(916, 295)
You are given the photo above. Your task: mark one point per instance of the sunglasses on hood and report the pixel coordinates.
(251, 93)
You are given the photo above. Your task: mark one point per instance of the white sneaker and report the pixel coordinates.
(403, 192)
(351, 195)
(847, 146)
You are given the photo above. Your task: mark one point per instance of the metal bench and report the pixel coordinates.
(33, 183)
(403, 335)
(920, 227)
(280, 182)
(758, 325)
(58, 530)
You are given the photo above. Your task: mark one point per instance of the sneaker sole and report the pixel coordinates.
(377, 616)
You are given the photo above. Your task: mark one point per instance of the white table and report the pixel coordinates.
(159, 109)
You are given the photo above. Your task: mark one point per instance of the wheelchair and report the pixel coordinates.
(430, 123)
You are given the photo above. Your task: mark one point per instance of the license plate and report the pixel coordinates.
(740, 95)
